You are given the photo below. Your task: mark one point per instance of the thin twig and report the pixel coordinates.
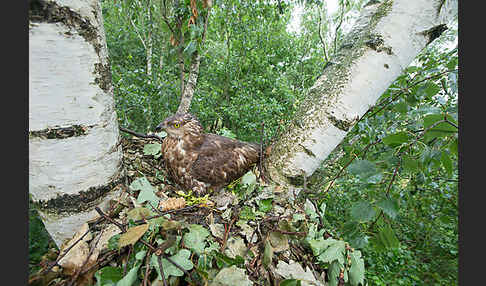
(140, 134)
(101, 213)
(226, 233)
(349, 162)
(68, 249)
(402, 90)
(159, 260)
(337, 28)
(322, 40)
(387, 193)
(147, 268)
(78, 271)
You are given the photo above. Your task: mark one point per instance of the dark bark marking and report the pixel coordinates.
(42, 11)
(434, 32)
(377, 43)
(60, 133)
(308, 151)
(344, 125)
(84, 200)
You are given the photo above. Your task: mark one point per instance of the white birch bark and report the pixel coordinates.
(385, 39)
(190, 86)
(70, 89)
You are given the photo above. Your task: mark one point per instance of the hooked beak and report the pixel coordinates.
(160, 127)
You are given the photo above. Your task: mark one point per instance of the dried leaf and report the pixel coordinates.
(279, 241)
(172, 204)
(217, 230)
(138, 213)
(231, 276)
(77, 256)
(294, 270)
(132, 235)
(235, 246)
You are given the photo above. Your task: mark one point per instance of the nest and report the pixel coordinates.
(248, 232)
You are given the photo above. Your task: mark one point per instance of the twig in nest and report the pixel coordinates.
(300, 233)
(101, 213)
(262, 155)
(226, 233)
(147, 268)
(159, 259)
(68, 249)
(76, 275)
(140, 134)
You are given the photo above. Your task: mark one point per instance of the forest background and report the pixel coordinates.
(257, 61)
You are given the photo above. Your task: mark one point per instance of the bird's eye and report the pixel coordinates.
(176, 125)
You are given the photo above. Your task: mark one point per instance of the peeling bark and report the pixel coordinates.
(385, 39)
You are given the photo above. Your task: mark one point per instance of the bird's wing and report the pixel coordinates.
(222, 160)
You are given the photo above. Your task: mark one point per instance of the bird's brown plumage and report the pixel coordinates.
(201, 161)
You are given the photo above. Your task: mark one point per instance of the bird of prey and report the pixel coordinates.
(203, 161)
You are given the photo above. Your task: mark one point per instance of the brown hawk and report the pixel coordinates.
(202, 161)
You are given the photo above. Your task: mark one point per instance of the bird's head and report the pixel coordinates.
(179, 125)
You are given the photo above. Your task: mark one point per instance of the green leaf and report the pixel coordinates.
(108, 276)
(147, 192)
(140, 255)
(334, 252)
(290, 282)
(333, 272)
(362, 168)
(401, 107)
(410, 164)
(322, 208)
(248, 179)
(222, 260)
(182, 258)
(447, 162)
(362, 211)
(386, 239)
(429, 89)
(396, 139)
(453, 147)
(113, 241)
(357, 270)
(130, 278)
(439, 130)
(319, 245)
(267, 253)
(389, 207)
(195, 238)
(359, 241)
(265, 205)
(152, 149)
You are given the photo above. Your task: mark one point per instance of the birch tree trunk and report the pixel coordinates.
(385, 39)
(190, 86)
(74, 155)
